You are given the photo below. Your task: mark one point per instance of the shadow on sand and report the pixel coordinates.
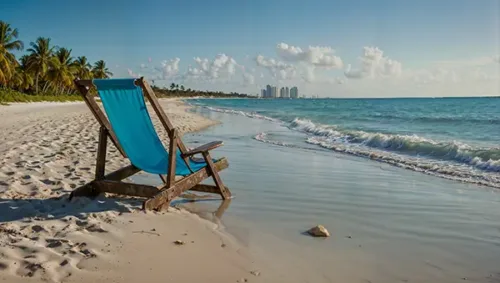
(60, 207)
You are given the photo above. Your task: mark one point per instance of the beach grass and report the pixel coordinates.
(11, 96)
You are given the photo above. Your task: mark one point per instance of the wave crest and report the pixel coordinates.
(482, 158)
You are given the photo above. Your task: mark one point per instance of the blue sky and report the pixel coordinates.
(417, 34)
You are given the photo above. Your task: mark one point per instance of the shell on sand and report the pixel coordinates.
(318, 231)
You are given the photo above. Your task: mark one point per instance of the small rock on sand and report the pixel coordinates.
(255, 272)
(179, 242)
(318, 231)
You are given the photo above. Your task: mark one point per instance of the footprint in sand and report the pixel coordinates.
(38, 229)
(48, 182)
(28, 269)
(96, 228)
(55, 243)
(3, 266)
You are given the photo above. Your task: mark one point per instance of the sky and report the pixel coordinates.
(357, 48)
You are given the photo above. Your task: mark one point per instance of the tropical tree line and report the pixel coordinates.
(45, 68)
(177, 90)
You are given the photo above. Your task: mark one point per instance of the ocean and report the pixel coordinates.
(454, 138)
(408, 188)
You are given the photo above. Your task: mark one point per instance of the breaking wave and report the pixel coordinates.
(447, 159)
(487, 159)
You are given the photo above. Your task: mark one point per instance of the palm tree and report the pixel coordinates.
(22, 78)
(182, 87)
(172, 86)
(61, 73)
(176, 87)
(8, 42)
(82, 68)
(100, 71)
(41, 58)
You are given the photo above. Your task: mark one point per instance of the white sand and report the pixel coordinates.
(47, 150)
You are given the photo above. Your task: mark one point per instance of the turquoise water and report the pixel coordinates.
(388, 224)
(453, 138)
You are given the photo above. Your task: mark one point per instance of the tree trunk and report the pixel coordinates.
(45, 86)
(36, 84)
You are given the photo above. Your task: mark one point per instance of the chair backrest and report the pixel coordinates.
(128, 115)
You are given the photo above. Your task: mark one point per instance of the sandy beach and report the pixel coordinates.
(47, 150)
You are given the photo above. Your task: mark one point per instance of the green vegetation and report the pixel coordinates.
(9, 96)
(179, 91)
(47, 71)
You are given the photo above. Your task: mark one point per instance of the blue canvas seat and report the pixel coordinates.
(126, 109)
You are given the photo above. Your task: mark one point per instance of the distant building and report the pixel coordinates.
(274, 92)
(282, 92)
(287, 92)
(269, 91)
(263, 93)
(294, 92)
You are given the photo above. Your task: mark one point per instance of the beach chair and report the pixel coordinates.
(129, 127)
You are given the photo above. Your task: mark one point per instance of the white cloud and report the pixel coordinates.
(353, 74)
(248, 79)
(340, 80)
(309, 75)
(221, 67)
(168, 68)
(314, 55)
(278, 69)
(132, 74)
(373, 65)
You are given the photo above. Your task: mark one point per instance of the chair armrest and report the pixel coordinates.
(203, 148)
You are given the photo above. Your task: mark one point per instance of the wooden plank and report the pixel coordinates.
(166, 194)
(101, 154)
(206, 189)
(98, 114)
(122, 173)
(226, 194)
(127, 189)
(171, 158)
(206, 147)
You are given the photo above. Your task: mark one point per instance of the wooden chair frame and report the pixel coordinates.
(157, 197)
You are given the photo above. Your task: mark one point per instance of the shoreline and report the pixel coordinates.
(48, 151)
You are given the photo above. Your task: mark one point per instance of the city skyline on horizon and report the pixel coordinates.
(271, 91)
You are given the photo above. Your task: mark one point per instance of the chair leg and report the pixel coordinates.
(101, 154)
(223, 191)
(87, 190)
